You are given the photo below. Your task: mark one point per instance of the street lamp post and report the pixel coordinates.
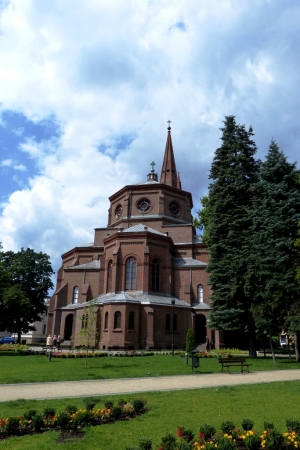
(173, 303)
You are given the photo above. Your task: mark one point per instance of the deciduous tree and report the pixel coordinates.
(26, 277)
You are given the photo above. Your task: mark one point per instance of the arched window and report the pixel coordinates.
(131, 321)
(168, 322)
(75, 294)
(106, 321)
(117, 320)
(109, 276)
(130, 274)
(200, 293)
(155, 275)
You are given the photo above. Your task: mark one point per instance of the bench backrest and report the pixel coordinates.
(233, 360)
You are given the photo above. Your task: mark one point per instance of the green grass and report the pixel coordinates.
(273, 402)
(17, 368)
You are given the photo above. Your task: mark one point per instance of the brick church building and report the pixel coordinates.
(145, 271)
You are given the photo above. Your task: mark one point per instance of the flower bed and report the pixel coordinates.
(71, 419)
(229, 438)
(13, 347)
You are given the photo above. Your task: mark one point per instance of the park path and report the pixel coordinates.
(71, 389)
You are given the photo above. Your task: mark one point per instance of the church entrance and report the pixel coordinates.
(68, 327)
(200, 328)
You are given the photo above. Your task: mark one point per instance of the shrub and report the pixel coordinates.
(206, 431)
(183, 445)
(82, 419)
(268, 425)
(138, 405)
(247, 424)
(63, 420)
(37, 422)
(183, 433)
(116, 412)
(293, 425)
(273, 440)
(108, 404)
(90, 403)
(168, 442)
(252, 442)
(49, 412)
(128, 408)
(29, 415)
(121, 402)
(227, 444)
(227, 427)
(71, 409)
(190, 341)
(145, 444)
(12, 426)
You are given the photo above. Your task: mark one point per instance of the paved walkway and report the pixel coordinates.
(69, 389)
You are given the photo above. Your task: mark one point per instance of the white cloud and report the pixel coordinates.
(14, 165)
(108, 70)
(6, 162)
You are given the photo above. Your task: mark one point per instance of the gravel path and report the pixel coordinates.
(69, 389)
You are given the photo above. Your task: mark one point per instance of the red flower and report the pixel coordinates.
(201, 435)
(179, 432)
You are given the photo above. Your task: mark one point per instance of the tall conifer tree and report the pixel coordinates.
(233, 173)
(275, 214)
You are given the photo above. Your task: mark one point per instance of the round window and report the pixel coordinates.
(143, 205)
(174, 208)
(118, 211)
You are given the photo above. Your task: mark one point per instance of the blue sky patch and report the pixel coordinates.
(179, 25)
(116, 145)
(16, 166)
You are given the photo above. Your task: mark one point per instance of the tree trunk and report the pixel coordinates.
(272, 349)
(297, 344)
(289, 345)
(19, 336)
(264, 347)
(252, 336)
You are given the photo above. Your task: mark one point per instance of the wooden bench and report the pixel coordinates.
(231, 362)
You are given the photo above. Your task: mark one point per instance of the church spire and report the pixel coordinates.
(168, 170)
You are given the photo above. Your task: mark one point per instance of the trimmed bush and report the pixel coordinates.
(227, 427)
(206, 431)
(247, 424)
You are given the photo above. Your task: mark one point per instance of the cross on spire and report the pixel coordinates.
(152, 164)
(169, 127)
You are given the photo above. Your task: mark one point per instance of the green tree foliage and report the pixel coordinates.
(25, 281)
(275, 214)
(233, 173)
(190, 342)
(202, 222)
(88, 334)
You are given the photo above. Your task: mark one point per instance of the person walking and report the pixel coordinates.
(54, 340)
(49, 341)
(207, 344)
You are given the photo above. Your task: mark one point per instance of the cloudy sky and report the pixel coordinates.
(87, 88)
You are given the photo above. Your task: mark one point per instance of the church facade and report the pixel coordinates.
(144, 272)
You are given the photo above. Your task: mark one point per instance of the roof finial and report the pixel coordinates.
(152, 176)
(169, 127)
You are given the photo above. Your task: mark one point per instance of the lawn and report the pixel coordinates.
(167, 411)
(17, 368)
